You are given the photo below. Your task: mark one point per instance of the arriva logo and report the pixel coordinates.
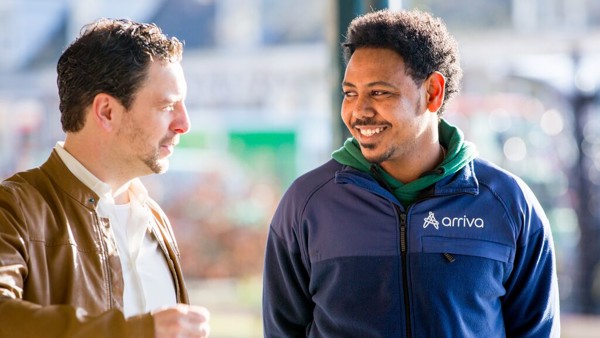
(430, 220)
(453, 222)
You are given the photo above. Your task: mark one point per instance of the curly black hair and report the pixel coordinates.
(110, 56)
(422, 41)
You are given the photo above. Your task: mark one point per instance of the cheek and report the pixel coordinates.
(346, 114)
(155, 127)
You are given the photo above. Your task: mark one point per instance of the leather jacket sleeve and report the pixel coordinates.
(48, 294)
(19, 318)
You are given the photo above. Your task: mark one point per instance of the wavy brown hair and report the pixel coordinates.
(110, 56)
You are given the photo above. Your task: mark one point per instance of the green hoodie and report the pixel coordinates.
(459, 153)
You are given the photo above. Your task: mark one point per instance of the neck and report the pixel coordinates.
(413, 165)
(95, 160)
(443, 151)
(121, 195)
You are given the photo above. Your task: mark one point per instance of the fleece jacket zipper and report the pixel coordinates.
(403, 252)
(403, 248)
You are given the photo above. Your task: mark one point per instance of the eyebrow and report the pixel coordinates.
(169, 99)
(370, 84)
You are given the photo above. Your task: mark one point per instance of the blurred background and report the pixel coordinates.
(264, 96)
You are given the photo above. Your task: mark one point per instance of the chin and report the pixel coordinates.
(157, 166)
(162, 167)
(374, 157)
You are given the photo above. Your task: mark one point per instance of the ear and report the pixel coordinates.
(104, 111)
(435, 84)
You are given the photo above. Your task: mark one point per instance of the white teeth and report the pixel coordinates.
(370, 132)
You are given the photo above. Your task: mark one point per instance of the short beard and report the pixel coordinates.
(152, 159)
(153, 163)
(379, 159)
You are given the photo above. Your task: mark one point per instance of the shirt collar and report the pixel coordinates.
(136, 187)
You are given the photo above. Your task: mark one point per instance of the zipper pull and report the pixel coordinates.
(403, 232)
(449, 257)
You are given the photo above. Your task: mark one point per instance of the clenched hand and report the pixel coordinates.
(181, 321)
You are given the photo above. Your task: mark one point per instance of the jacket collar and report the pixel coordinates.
(64, 179)
(462, 182)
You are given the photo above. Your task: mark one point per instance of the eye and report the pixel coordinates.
(349, 93)
(378, 92)
(169, 108)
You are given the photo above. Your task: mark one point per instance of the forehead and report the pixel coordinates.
(164, 79)
(165, 71)
(379, 63)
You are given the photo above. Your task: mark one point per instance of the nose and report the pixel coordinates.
(363, 107)
(181, 123)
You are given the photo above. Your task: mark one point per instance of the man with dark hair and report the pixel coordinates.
(406, 232)
(84, 252)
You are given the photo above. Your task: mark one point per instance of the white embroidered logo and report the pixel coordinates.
(454, 222)
(430, 219)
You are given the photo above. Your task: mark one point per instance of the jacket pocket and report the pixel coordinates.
(467, 246)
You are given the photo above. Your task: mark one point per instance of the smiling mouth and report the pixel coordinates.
(364, 131)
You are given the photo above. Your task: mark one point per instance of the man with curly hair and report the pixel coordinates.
(406, 232)
(84, 251)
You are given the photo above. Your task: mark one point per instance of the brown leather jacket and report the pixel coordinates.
(60, 273)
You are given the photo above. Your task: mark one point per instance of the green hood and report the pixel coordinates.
(459, 153)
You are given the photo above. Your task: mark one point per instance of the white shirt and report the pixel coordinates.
(148, 283)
